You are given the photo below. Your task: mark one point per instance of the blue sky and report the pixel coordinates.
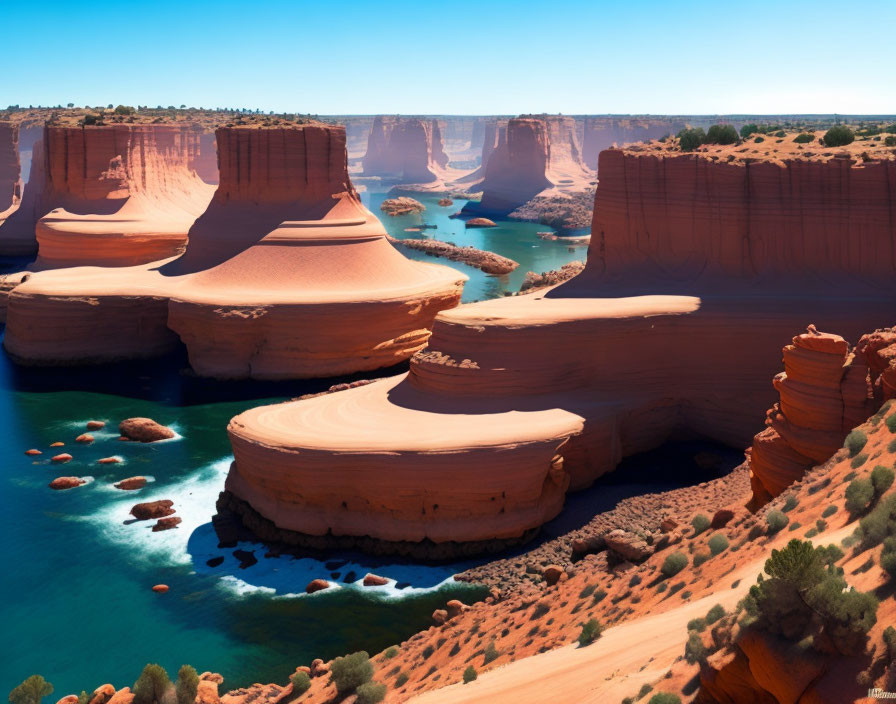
(455, 57)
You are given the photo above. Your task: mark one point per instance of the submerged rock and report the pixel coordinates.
(144, 430)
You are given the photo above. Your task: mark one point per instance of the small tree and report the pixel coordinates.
(351, 671)
(187, 684)
(721, 134)
(694, 650)
(591, 631)
(881, 479)
(700, 523)
(747, 130)
(718, 543)
(31, 691)
(674, 563)
(152, 686)
(469, 674)
(370, 693)
(715, 613)
(689, 140)
(776, 521)
(804, 138)
(839, 136)
(491, 653)
(859, 495)
(855, 441)
(301, 683)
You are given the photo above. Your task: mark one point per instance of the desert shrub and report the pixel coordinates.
(587, 591)
(759, 139)
(714, 614)
(804, 138)
(370, 693)
(469, 674)
(644, 691)
(721, 134)
(665, 698)
(124, 110)
(838, 136)
(677, 587)
(829, 511)
(661, 587)
(491, 653)
(152, 685)
(634, 581)
(674, 563)
(351, 671)
(599, 596)
(402, 679)
(888, 556)
(806, 595)
(747, 130)
(859, 460)
(428, 651)
(855, 441)
(859, 495)
(795, 526)
(821, 525)
(776, 521)
(700, 523)
(879, 524)
(694, 650)
(790, 503)
(31, 691)
(591, 631)
(890, 642)
(881, 479)
(891, 423)
(690, 139)
(701, 557)
(811, 533)
(391, 652)
(717, 543)
(301, 683)
(890, 141)
(188, 683)
(780, 133)
(697, 624)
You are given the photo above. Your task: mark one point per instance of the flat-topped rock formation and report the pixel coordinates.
(10, 170)
(286, 275)
(533, 155)
(406, 149)
(690, 289)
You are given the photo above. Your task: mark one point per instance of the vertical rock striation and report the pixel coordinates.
(407, 149)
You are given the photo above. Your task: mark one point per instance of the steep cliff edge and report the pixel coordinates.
(285, 275)
(677, 295)
(10, 186)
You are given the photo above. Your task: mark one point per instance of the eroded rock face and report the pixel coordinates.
(18, 220)
(825, 391)
(531, 395)
(408, 149)
(286, 275)
(9, 169)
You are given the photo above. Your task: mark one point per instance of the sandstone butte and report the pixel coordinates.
(409, 150)
(286, 275)
(698, 272)
(112, 195)
(534, 155)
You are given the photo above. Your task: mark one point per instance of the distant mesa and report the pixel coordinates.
(408, 150)
(517, 400)
(286, 275)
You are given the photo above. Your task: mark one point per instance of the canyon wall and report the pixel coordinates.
(10, 188)
(601, 133)
(407, 149)
(698, 271)
(204, 160)
(118, 194)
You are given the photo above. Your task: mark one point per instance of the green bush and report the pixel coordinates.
(351, 671)
(674, 563)
(370, 693)
(821, 525)
(665, 698)
(759, 139)
(470, 674)
(717, 543)
(697, 624)
(634, 581)
(888, 556)
(591, 631)
(804, 138)
(689, 140)
(890, 141)
(776, 521)
(124, 110)
(491, 653)
(859, 495)
(644, 691)
(747, 130)
(402, 679)
(790, 503)
(700, 523)
(829, 511)
(391, 652)
(301, 683)
(694, 650)
(152, 685)
(701, 557)
(859, 460)
(714, 614)
(31, 691)
(881, 479)
(838, 136)
(188, 684)
(891, 423)
(599, 596)
(780, 133)
(806, 595)
(890, 642)
(855, 441)
(721, 134)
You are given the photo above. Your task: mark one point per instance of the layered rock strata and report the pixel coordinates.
(286, 275)
(825, 391)
(696, 272)
(10, 187)
(17, 224)
(406, 149)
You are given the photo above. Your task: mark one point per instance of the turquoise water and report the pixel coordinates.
(511, 238)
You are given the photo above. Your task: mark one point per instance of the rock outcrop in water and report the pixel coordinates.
(693, 276)
(286, 275)
(407, 149)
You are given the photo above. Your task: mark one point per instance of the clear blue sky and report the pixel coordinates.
(456, 57)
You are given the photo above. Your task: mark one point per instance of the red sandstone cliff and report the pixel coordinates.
(9, 167)
(409, 149)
